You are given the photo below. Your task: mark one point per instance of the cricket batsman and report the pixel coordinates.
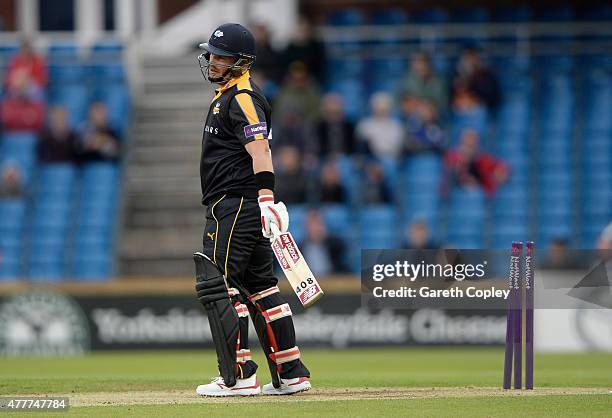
(234, 272)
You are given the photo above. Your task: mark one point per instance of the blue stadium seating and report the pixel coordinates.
(116, 98)
(346, 17)
(466, 215)
(471, 15)
(390, 17)
(18, 148)
(476, 119)
(106, 62)
(378, 227)
(93, 267)
(515, 13)
(436, 15)
(297, 219)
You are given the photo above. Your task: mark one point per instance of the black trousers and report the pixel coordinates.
(233, 240)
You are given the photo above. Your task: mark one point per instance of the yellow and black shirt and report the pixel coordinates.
(238, 114)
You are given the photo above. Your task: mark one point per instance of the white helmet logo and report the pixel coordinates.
(218, 33)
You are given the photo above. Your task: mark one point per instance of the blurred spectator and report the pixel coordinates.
(422, 99)
(418, 237)
(374, 189)
(300, 93)
(11, 182)
(559, 256)
(291, 180)
(424, 133)
(330, 187)
(22, 108)
(58, 141)
(99, 142)
(267, 85)
(381, 134)
(605, 239)
(289, 129)
(604, 244)
(468, 166)
(267, 58)
(297, 106)
(305, 48)
(334, 133)
(325, 253)
(474, 84)
(26, 64)
(422, 91)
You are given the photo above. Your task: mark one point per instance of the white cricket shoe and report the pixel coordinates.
(288, 386)
(243, 387)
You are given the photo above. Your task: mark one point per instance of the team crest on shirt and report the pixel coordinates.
(216, 108)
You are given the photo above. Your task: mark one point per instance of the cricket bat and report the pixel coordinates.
(303, 282)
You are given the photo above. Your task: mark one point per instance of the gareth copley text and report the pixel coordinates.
(451, 293)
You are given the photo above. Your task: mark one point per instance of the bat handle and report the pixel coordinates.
(275, 231)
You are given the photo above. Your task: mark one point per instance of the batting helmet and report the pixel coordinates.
(228, 40)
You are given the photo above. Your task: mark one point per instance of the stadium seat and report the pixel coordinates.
(476, 119)
(74, 98)
(106, 62)
(378, 226)
(337, 219)
(346, 17)
(436, 15)
(466, 216)
(471, 15)
(297, 219)
(12, 215)
(92, 267)
(390, 17)
(515, 13)
(66, 72)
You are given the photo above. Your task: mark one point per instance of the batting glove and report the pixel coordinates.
(272, 213)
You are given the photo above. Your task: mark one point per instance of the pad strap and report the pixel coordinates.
(241, 309)
(277, 312)
(244, 355)
(285, 356)
(264, 293)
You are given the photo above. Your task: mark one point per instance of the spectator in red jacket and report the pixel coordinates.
(467, 166)
(22, 109)
(28, 63)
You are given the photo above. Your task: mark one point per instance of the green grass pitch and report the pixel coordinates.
(358, 382)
